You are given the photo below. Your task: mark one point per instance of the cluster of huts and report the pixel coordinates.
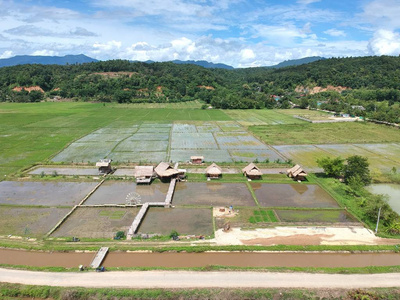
(145, 174)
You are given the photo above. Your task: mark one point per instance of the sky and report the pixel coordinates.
(240, 33)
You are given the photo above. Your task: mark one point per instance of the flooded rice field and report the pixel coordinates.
(197, 221)
(216, 141)
(115, 192)
(187, 260)
(393, 192)
(292, 195)
(212, 194)
(93, 222)
(29, 221)
(65, 171)
(44, 193)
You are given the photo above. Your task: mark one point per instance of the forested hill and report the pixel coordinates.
(355, 72)
(360, 79)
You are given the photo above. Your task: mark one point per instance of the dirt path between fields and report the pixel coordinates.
(189, 279)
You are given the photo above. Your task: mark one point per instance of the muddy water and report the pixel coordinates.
(185, 260)
(292, 195)
(48, 259)
(392, 190)
(115, 192)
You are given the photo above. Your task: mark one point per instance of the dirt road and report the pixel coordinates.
(188, 279)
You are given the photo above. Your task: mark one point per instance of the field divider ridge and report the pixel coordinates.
(74, 208)
(91, 192)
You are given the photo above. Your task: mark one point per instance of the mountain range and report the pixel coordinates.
(81, 59)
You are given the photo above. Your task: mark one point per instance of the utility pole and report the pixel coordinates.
(377, 223)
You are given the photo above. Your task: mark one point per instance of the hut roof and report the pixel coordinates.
(144, 171)
(162, 167)
(169, 172)
(103, 163)
(252, 169)
(197, 157)
(296, 171)
(214, 169)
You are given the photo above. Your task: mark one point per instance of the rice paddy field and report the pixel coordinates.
(44, 193)
(76, 133)
(80, 132)
(29, 221)
(197, 221)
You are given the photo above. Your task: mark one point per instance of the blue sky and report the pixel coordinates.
(240, 33)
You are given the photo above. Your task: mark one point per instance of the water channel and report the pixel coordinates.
(392, 190)
(187, 260)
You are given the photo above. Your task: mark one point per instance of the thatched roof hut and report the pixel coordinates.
(252, 171)
(297, 173)
(144, 174)
(213, 171)
(165, 170)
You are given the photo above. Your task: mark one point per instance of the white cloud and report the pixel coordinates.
(335, 32)
(306, 2)
(247, 54)
(385, 42)
(44, 53)
(106, 47)
(382, 14)
(7, 54)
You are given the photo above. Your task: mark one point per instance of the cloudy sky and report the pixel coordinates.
(240, 33)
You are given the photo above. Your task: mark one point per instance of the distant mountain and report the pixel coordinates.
(297, 62)
(203, 63)
(46, 60)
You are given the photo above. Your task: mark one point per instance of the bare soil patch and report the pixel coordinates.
(102, 222)
(29, 221)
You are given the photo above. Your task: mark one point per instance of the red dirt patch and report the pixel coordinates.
(299, 239)
(28, 89)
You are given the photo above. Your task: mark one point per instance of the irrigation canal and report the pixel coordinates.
(187, 260)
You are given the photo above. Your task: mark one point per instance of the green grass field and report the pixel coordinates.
(251, 117)
(326, 133)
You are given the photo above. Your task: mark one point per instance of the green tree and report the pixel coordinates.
(333, 167)
(357, 166)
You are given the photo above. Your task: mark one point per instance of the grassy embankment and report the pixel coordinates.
(15, 291)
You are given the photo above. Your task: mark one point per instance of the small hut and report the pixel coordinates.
(252, 171)
(104, 166)
(197, 160)
(213, 171)
(144, 174)
(164, 170)
(297, 173)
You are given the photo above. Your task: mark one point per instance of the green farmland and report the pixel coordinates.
(32, 133)
(84, 132)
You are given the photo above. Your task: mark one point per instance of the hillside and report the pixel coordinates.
(336, 84)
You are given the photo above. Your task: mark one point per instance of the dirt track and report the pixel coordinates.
(187, 279)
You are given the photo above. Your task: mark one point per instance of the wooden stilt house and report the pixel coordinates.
(252, 171)
(213, 171)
